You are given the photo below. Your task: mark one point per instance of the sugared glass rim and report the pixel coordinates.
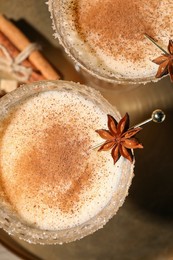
(11, 223)
(62, 35)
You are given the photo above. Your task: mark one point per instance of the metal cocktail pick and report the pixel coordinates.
(157, 116)
(155, 43)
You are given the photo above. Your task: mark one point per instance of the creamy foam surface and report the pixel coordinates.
(108, 36)
(49, 175)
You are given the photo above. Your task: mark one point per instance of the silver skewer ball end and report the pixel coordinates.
(158, 116)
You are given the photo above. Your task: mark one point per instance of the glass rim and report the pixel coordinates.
(12, 223)
(61, 35)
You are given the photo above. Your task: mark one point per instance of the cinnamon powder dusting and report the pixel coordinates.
(116, 26)
(54, 170)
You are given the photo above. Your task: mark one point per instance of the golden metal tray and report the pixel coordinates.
(143, 227)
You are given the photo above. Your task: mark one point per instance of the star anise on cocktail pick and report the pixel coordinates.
(165, 61)
(119, 138)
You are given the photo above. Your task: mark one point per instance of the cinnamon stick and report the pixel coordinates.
(19, 40)
(13, 51)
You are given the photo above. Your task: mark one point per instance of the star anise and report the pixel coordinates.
(165, 62)
(119, 138)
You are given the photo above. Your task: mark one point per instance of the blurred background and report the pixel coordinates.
(143, 227)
